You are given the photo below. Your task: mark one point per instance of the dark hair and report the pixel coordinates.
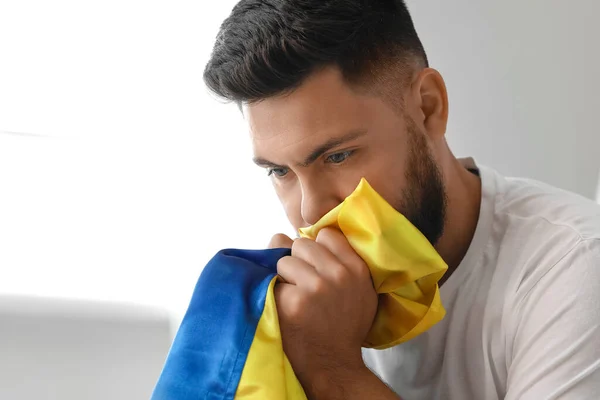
(269, 47)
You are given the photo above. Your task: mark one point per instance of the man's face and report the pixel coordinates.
(319, 141)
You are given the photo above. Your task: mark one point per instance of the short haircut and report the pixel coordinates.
(267, 48)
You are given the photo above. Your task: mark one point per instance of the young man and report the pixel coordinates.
(337, 90)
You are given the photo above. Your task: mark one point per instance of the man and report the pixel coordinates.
(337, 90)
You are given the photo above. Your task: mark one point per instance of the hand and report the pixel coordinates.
(326, 306)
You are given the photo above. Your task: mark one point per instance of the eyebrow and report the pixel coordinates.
(316, 153)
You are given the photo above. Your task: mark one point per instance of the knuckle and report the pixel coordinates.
(300, 245)
(363, 272)
(296, 307)
(339, 275)
(319, 287)
(282, 263)
(326, 234)
(279, 236)
(279, 240)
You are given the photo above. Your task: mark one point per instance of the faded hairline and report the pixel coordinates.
(385, 78)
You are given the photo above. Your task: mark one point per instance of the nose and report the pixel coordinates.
(318, 198)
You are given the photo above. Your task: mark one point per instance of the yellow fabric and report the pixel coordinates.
(405, 269)
(404, 266)
(268, 373)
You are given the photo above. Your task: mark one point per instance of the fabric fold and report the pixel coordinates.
(404, 266)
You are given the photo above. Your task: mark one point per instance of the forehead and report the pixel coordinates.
(323, 107)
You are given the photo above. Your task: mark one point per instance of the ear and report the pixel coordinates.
(431, 100)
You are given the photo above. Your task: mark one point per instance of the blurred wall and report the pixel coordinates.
(523, 80)
(56, 349)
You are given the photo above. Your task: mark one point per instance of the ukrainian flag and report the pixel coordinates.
(229, 344)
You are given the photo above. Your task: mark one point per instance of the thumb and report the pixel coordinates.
(281, 241)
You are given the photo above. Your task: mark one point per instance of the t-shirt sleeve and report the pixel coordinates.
(556, 331)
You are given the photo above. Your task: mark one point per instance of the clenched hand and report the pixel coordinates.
(326, 306)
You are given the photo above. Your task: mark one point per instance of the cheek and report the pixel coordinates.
(387, 177)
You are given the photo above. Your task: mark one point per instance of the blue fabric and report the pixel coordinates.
(209, 351)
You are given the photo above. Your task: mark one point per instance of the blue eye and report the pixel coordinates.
(339, 158)
(278, 172)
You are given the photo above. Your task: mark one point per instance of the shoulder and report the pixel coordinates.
(531, 202)
(532, 216)
(538, 229)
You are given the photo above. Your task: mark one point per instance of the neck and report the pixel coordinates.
(463, 190)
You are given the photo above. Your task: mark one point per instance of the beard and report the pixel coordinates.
(424, 199)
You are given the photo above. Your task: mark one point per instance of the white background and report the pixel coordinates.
(120, 176)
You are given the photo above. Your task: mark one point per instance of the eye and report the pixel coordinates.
(278, 172)
(339, 158)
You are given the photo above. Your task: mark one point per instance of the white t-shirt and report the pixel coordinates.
(523, 307)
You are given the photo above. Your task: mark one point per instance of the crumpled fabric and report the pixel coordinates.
(229, 343)
(404, 266)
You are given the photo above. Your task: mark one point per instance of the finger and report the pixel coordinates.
(280, 241)
(335, 241)
(297, 272)
(288, 301)
(316, 255)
